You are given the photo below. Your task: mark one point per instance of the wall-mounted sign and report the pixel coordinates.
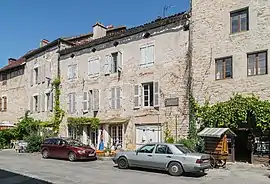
(169, 102)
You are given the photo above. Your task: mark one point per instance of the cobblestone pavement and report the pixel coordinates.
(102, 172)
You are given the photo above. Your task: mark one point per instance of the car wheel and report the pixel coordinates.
(175, 169)
(71, 156)
(45, 154)
(122, 163)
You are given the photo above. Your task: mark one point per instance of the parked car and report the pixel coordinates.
(174, 158)
(66, 148)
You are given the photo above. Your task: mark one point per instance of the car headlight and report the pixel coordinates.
(81, 151)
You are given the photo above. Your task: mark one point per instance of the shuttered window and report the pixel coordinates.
(71, 103)
(93, 67)
(147, 55)
(3, 104)
(115, 98)
(85, 101)
(72, 71)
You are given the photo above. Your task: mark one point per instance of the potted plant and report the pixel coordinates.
(107, 150)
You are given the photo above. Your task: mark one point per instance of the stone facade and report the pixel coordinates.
(212, 39)
(12, 87)
(169, 71)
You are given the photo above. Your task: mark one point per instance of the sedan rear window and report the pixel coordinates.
(183, 149)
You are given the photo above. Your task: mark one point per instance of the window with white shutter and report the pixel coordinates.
(137, 96)
(93, 67)
(96, 100)
(147, 55)
(120, 61)
(85, 101)
(107, 64)
(156, 94)
(115, 98)
(150, 94)
(71, 103)
(91, 100)
(72, 71)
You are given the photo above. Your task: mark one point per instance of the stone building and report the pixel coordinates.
(230, 48)
(12, 91)
(123, 77)
(230, 55)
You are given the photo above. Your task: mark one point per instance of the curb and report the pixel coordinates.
(105, 158)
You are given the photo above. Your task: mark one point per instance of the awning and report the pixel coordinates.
(115, 120)
(215, 132)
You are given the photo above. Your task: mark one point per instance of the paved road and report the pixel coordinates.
(104, 172)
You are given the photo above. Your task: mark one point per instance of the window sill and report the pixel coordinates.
(257, 75)
(224, 79)
(93, 76)
(239, 33)
(147, 65)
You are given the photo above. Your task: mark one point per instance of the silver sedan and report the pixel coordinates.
(174, 158)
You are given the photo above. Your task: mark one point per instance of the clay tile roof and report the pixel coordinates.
(14, 64)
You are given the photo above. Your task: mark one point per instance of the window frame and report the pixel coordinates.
(146, 46)
(139, 150)
(256, 53)
(90, 63)
(118, 133)
(238, 13)
(167, 148)
(149, 94)
(223, 59)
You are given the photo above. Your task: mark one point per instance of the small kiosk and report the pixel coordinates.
(219, 143)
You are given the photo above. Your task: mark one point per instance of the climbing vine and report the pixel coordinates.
(239, 109)
(77, 121)
(58, 112)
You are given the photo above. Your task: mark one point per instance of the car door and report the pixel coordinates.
(161, 156)
(62, 149)
(143, 156)
(53, 148)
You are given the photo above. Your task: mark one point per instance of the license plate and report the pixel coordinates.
(92, 154)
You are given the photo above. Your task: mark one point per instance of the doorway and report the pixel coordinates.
(147, 134)
(242, 151)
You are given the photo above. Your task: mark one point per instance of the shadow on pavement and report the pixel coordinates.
(193, 175)
(7, 177)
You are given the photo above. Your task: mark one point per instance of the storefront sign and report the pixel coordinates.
(169, 102)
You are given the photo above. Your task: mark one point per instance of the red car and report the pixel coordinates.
(67, 148)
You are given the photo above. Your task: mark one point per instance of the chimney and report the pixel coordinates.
(43, 42)
(99, 30)
(109, 26)
(10, 60)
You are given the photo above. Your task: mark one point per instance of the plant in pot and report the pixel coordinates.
(107, 150)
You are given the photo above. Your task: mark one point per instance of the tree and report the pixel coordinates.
(235, 111)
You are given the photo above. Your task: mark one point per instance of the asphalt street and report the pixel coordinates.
(104, 172)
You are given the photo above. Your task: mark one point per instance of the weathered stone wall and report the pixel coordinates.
(211, 39)
(171, 44)
(16, 95)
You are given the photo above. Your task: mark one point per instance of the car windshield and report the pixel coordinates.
(183, 149)
(73, 142)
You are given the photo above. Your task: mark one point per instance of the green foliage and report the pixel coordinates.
(5, 137)
(34, 142)
(234, 112)
(189, 143)
(77, 121)
(168, 135)
(193, 108)
(58, 112)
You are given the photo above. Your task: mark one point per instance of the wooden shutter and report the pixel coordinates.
(73, 103)
(119, 61)
(156, 94)
(91, 100)
(143, 56)
(5, 103)
(1, 104)
(96, 99)
(113, 100)
(43, 102)
(85, 101)
(39, 74)
(107, 64)
(51, 96)
(43, 73)
(97, 67)
(70, 72)
(31, 77)
(38, 103)
(137, 96)
(118, 93)
(69, 103)
(150, 54)
(31, 104)
(74, 71)
(48, 70)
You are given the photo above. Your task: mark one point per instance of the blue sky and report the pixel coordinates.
(24, 23)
